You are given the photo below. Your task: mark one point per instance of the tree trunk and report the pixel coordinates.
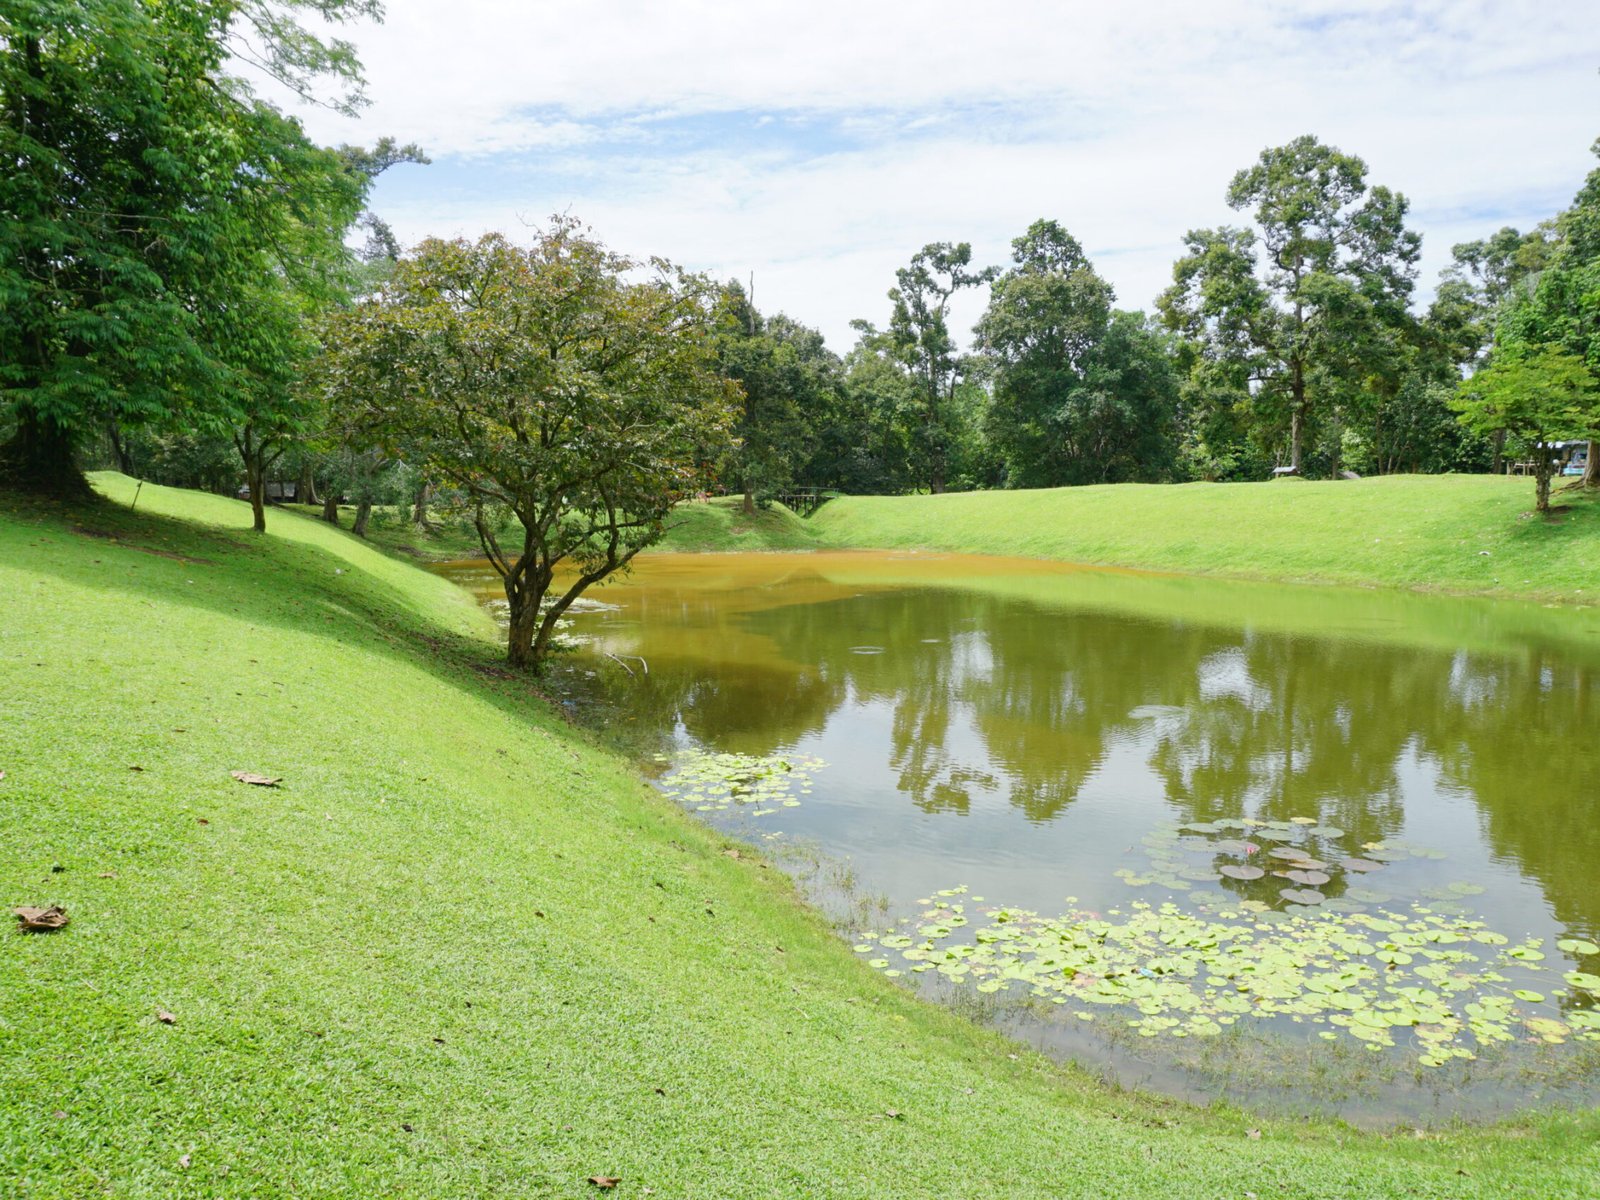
(1542, 489)
(305, 488)
(524, 624)
(1591, 468)
(363, 511)
(255, 475)
(119, 449)
(1499, 466)
(419, 510)
(1297, 420)
(749, 500)
(330, 506)
(38, 459)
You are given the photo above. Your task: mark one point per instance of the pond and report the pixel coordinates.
(1312, 849)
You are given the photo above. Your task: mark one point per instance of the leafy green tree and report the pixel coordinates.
(1081, 394)
(919, 337)
(884, 410)
(548, 382)
(779, 386)
(1538, 399)
(142, 184)
(1297, 312)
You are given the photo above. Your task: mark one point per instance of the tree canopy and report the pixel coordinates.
(547, 381)
(1298, 317)
(157, 215)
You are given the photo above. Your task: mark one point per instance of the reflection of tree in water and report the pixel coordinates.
(988, 692)
(1059, 693)
(1279, 727)
(1522, 737)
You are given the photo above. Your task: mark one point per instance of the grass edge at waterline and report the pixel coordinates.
(1469, 534)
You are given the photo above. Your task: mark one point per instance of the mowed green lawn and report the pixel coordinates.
(1457, 533)
(460, 952)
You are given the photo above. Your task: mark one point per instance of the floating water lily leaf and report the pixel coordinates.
(1528, 994)
(1584, 980)
(1309, 878)
(1360, 865)
(1302, 896)
(1237, 872)
(1286, 852)
(710, 782)
(1577, 946)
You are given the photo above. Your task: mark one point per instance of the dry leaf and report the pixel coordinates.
(42, 920)
(165, 1017)
(184, 1162)
(605, 1182)
(257, 780)
(892, 1113)
(1254, 1135)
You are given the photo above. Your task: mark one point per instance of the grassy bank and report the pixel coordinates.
(460, 952)
(704, 526)
(1457, 533)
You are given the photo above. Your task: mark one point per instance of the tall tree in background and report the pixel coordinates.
(1081, 395)
(136, 173)
(550, 382)
(1297, 327)
(780, 394)
(919, 337)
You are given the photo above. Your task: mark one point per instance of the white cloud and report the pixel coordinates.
(1124, 122)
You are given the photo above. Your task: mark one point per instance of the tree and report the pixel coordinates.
(1537, 400)
(777, 388)
(1081, 395)
(1302, 326)
(919, 336)
(546, 382)
(135, 174)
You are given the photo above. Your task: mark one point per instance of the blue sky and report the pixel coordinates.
(819, 146)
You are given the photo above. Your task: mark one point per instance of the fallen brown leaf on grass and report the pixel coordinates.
(605, 1182)
(257, 780)
(184, 1162)
(42, 920)
(165, 1017)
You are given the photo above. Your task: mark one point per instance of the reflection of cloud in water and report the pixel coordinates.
(1226, 674)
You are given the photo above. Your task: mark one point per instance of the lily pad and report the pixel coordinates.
(1577, 946)
(1302, 896)
(1237, 872)
(1309, 878)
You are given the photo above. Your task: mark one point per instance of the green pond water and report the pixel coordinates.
(1299, 848)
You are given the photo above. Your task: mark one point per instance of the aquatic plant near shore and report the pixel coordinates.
(704, 781)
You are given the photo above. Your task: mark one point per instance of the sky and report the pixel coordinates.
(816, 147)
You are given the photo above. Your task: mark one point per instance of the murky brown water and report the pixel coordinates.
(1034, 732)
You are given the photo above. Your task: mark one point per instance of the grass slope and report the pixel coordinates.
(1461, 533)
(462, 953)
(703, 526)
